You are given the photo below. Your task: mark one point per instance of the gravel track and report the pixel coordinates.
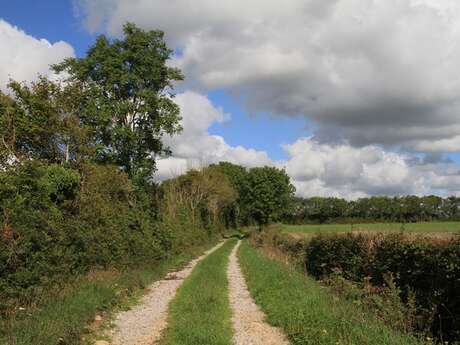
(143, 324)
(248, 320)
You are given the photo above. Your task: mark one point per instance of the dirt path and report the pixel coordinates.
(143, 324)
(248, 320)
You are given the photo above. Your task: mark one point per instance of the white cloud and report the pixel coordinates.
(195, 147)
(315, 168)
(350, 172)
(377, 72)
(23, 57)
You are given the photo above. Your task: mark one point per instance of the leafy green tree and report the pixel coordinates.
(234, 213)
(40, 120)
(29, 124)
(129, 98)
(7, 129)
(267, 194)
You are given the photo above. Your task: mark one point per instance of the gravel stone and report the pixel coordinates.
(143, 324)
(248, 320)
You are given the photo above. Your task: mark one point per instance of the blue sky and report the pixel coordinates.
(53, 20)
(261, 131)
(57, 20)
(375, 91)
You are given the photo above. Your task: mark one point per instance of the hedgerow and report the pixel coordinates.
(58, 222)
(425, 270)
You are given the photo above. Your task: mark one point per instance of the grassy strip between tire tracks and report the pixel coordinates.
(307, 313)
(63, 317)
(200, 313)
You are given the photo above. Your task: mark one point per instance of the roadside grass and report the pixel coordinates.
(307, 312)
(200, 313)
(422, 227)
(64, 317)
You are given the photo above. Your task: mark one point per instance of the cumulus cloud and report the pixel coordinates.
(195, 147)
(23, 57)
(368, 72)
(346, 171)
(377, 72)
(315, 168)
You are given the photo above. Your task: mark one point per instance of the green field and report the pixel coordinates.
(424, 227)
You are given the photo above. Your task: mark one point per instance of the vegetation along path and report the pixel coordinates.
(143, 324)
(248, 320)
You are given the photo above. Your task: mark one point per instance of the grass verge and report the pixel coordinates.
(200, 313)
(307, 313)
(64, 318)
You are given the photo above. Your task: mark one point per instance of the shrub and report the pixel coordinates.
(33, 244)
(425, 268)
(57, 222)
(347, 253)
(383, 270)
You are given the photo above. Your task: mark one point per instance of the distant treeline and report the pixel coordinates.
(403, 209)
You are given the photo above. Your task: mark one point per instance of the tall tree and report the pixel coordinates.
(234, 214)
(267, 194)
(130, 101)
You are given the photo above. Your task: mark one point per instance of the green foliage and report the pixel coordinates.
(203, 298)
(195, 201)
(307, 313)
(112, 225)
(425, 270)
(58, 222)
(41, 121)
(62, 315)
(348, 253)
(30, 124)
(266, 194)
(384, 301)
(234, 213)
(76, 166)
(400, 209)
(128, 104)
(33, 247)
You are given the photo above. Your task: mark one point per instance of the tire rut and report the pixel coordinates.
(144, 323)
(248, 320)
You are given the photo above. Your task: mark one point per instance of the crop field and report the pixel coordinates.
(422, 227)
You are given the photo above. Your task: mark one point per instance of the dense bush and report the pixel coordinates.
(348, 253)
(57, 222)
(33, 242)
(426, 269)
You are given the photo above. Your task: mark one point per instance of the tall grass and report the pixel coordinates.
(308, 313)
